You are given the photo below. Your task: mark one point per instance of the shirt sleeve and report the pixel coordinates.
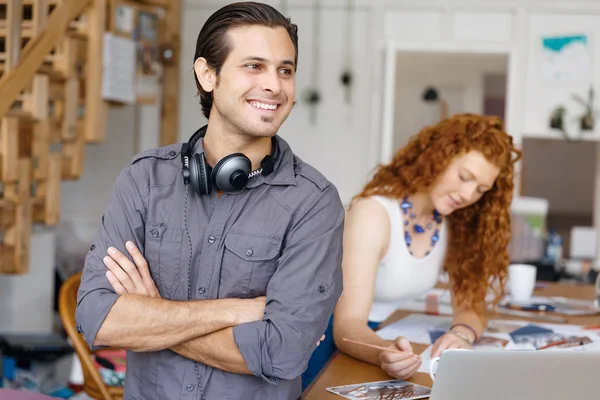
(301, 295)
(123, 220)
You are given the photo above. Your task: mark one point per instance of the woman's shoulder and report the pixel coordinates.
(373, 200)
(370, 208)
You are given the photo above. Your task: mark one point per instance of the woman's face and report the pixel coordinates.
(463, 183)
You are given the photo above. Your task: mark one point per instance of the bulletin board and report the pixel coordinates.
(135, 27)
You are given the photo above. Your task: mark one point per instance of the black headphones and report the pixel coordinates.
(230, 174)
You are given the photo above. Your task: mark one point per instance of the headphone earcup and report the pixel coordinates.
(199, 174)
(231, 173)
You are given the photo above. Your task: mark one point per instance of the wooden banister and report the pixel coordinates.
(33, 55)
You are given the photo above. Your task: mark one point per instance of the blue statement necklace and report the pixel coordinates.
(419, 229)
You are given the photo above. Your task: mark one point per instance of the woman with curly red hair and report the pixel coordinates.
(441, 205)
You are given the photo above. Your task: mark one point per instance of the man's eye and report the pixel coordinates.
(253, 66)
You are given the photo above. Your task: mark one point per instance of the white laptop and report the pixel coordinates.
(515, 374)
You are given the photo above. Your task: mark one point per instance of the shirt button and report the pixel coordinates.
(172, 153)
(201, 290)
(190, 388)
(92, 247)
(155, 233)
(249, 252)
(211, 239)
(321, 288)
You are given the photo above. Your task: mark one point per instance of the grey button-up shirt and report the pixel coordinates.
(281, 237)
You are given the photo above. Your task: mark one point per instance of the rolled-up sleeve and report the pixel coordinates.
(123, 220)
(301, 295)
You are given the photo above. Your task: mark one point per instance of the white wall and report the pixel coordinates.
(459, 78)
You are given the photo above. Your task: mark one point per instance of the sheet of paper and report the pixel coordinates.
(416, 327)
(119, 69)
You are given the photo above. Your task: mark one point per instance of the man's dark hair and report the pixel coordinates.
(213, 45)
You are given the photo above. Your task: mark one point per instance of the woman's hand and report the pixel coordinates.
(400, 362)
(454, 339)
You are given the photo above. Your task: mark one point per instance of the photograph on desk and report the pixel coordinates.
(388, 390)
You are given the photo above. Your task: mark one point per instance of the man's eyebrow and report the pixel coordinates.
(264, 60)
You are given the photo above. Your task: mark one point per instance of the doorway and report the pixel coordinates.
(421, 86)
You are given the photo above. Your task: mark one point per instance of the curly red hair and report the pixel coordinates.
(477, 256)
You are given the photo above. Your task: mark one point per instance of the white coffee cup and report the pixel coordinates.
(521, 279)
(435, 360)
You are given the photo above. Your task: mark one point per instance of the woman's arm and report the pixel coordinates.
(466, 324)
(366, 239)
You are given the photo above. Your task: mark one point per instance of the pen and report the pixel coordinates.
(373, 346)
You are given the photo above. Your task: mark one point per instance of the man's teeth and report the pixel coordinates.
(263, 105)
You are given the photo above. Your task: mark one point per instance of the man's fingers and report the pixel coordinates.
(139, 260)
(142, 267)
(322, 338)
(119, 289)
(119, 274)
(127, 266)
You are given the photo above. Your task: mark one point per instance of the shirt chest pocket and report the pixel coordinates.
(163, 253)
(249, 262)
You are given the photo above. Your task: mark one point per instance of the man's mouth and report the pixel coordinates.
(263, 106)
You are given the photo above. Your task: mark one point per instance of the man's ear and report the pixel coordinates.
(205, 74)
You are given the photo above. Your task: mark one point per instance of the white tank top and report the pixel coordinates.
(400, 276)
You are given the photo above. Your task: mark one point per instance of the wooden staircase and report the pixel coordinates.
(50, 108)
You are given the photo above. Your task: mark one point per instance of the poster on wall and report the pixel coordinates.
(566, 59)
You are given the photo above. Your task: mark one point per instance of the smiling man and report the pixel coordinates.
(218, 261)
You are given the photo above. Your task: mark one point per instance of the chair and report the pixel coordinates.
(93, 384)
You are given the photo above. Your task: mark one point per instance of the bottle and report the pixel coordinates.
(554, 249)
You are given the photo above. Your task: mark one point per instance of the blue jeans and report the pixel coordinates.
(323, 353)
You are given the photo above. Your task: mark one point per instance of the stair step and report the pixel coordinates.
(21, 115)
(7, 214)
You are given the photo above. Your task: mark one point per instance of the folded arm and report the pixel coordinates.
(133, 322)
(217, 350)
(301, 295)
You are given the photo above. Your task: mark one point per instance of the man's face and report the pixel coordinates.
(255, 89)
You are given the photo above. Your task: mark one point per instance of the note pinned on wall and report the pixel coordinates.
(118, 82)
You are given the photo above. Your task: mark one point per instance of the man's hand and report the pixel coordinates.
(449, 340)
(401, 362)
(127, 277)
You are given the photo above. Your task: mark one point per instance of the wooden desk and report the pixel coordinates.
(345, 370)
